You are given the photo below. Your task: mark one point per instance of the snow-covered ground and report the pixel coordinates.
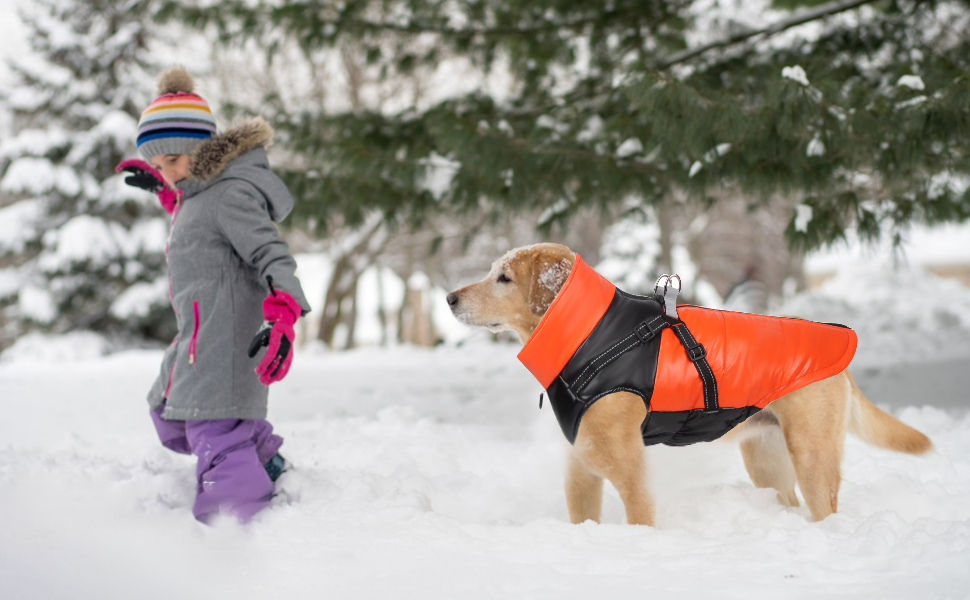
(433, 474)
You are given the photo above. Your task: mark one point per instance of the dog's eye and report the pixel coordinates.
(503, 278)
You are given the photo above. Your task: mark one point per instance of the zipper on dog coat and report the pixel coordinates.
(699, 375)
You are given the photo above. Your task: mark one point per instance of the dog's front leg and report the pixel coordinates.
(609, 445)
(584, 492)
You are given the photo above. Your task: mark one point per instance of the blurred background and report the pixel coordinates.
(795, 157)
(782, 156)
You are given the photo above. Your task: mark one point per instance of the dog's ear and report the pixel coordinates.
(549, 273)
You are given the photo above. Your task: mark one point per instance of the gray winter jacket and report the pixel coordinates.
(221, 247)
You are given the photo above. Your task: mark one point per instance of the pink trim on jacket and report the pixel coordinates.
(195, 332)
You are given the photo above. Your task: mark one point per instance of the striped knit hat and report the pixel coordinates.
(177, 120)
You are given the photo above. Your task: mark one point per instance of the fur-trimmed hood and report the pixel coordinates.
(211, 157)
(239, 153)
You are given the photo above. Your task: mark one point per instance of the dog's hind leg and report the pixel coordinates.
(610, 445)
(766, 457)
(814, 420)
(584, 492)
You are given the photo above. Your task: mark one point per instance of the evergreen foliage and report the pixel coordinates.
(90, 250)
(863, 118)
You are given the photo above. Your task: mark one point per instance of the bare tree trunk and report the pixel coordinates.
(354, 68)
(351, 341)
(381, 314)
(333, 301)
(346, 273)
(402, 313)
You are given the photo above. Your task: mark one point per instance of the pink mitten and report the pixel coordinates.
(280, 311)
(146, 177)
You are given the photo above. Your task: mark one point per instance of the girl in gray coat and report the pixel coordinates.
(230, 276)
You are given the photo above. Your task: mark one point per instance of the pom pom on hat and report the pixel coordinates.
(176, 121)
(174, 80)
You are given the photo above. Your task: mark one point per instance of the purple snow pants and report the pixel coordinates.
(230, 476)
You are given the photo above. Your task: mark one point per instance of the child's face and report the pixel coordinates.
(173, 167)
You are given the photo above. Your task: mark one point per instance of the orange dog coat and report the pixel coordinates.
(699, 375)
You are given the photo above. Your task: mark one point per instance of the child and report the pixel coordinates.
(229, 272)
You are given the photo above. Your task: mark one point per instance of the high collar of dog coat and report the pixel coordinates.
(573, 314)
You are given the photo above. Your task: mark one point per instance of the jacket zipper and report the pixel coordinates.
(171, 299)
(195, 332)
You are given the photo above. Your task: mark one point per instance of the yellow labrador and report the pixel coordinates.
(798, 438)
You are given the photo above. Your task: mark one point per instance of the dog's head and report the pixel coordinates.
(517, 291)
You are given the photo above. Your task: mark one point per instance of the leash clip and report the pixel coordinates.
(670, 293)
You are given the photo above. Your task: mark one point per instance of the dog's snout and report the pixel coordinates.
(452, 299)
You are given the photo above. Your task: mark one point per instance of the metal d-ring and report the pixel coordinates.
(670, 293)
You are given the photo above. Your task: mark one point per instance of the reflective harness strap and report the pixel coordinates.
(697, 355)
(642, 333)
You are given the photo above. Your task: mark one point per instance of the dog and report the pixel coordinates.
(796, 439)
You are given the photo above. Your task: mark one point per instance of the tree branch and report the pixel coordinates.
(280, 14)
(820, 12)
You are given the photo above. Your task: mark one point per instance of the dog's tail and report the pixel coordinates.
(881, 429)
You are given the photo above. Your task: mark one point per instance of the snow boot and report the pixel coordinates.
(276, 466)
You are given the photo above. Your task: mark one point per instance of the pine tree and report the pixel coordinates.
(88, 251)
(863, 120)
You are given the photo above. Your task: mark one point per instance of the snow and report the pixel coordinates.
(87, 238)
(114, 126)
(628, 254)
(913, 82)
(439, 171)
(554, 276)
(903, 313)
(378, 289)
(10, 281)
(816, 147)
(36, 304)
(36, 142)
(39, 348)
(592, 130)
(717, 151)
(18, 224)
(13, 35)
(803, 216)
(31, 175)
(922, 246)
(558, 208)
(629, 148)
(628, 258)
(82, 238)
(944, 182)
(695, 168)
(432, 473)
(140, 298)
(796, 74)
(918, 100)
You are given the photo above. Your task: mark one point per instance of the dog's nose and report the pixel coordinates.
(452, 299)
